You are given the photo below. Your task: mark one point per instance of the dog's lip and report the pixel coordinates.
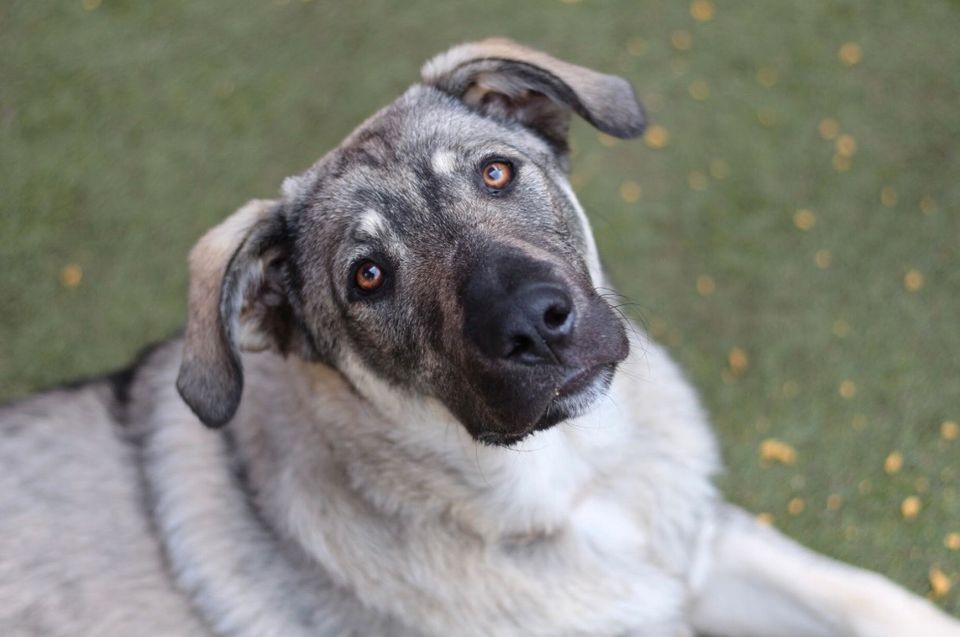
(574, 383)
(579, 379)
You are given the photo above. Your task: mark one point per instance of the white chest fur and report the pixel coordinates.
(589, 528)
(585, 529)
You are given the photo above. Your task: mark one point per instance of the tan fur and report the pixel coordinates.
(587, 82)
(607, 101)
(208, 262)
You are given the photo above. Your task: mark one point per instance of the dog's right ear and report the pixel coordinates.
(504, 79)
(237, 301)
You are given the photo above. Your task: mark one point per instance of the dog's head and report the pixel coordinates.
(439, 250)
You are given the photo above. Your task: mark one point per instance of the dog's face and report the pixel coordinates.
(439, 249)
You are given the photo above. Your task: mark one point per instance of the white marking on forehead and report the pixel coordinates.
(444, 161)
(372, 224)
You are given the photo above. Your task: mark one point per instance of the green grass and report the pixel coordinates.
(127, 130)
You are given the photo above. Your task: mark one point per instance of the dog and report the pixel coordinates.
(422, 418)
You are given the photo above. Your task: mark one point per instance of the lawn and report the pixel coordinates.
(790, 228)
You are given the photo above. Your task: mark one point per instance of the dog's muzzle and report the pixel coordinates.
(541, 349)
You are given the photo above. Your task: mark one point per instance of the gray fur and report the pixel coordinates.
(348, 489)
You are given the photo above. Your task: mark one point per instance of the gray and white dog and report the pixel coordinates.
(419, 421)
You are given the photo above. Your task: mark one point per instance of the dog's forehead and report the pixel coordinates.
(424, 120)
(427, 132)
(402, 175)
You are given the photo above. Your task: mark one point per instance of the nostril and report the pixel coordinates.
(519, 345)
(556, 317)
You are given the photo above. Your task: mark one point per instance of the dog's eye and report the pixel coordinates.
(369, 276)
(497, 175)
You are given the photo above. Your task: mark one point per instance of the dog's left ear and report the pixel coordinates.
(238, 301)
(504, 79)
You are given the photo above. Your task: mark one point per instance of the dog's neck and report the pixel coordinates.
(409, 457)
(379, 504)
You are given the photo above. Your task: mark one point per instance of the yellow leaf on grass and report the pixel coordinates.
(774, 450)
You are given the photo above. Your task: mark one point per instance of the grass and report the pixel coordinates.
(127, 128)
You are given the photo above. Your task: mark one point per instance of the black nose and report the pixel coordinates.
(516, 309)
(540, 321)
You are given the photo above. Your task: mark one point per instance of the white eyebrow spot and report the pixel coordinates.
(443, 161)
(372, 224)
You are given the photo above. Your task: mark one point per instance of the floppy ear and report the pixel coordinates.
(237, 301)
(504, 79)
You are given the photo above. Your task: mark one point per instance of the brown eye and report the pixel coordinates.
(497, 175)
(369, 276)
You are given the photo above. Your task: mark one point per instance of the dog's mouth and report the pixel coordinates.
(577, 392)
(525, 369)
(577, 381)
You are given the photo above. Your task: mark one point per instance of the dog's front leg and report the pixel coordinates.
(755, 582)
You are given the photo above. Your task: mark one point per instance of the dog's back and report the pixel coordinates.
(79, 553)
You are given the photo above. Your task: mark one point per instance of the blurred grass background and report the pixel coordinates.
(789, 229)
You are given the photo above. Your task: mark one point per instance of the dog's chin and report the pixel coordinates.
(579, 392)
